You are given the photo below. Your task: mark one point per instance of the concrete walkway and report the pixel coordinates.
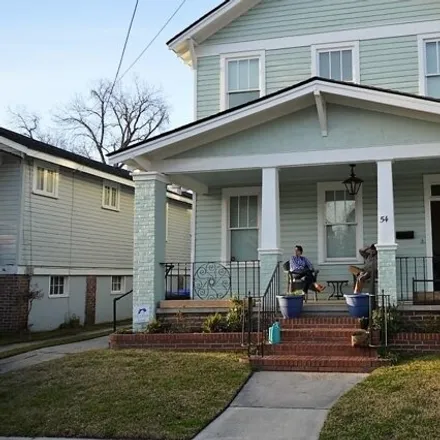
(47, 354)
(281, 406)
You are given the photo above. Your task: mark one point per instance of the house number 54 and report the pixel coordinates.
(384, 219)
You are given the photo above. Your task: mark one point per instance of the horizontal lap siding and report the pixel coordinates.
(390, 63)
(74, 230)
(10, 197)
(283, 18)
(285, 67)
(208, 86)
(178, 246)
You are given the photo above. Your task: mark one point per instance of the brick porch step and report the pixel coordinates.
(317, 334)
(302, 348)
(341, 364)
(320, 322)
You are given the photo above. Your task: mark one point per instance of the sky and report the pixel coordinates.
(51, 50)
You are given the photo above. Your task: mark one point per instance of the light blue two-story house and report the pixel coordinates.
(289, 94)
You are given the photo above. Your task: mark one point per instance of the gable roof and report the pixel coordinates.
(210, 23)
(284, 100)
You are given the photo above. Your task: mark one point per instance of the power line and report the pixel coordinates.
(153, 40)
(121, 58)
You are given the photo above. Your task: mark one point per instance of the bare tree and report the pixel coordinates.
(30, 124)
(113, 118)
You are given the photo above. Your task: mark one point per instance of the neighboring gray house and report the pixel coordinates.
(66, 228)
(289, 94)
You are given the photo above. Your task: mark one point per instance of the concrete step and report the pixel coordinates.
(342, 364)
(314, 321)
(317, 334)
(319, 349)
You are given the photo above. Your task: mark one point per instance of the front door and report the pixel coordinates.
(435, 234)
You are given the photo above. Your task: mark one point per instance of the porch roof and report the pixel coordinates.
(312, 92)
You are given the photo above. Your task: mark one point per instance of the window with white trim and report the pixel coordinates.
(432, 67)
(243, 227)
(45, 181)
(340, 223)
(338, 62)
(117, 282)
(110, 196)
(243, 78)
(58, 286)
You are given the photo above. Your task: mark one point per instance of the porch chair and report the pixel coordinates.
(293, 284)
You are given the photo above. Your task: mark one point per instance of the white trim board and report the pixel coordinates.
(421, 47)
(66, 271)
(301, 159)
(370, 33)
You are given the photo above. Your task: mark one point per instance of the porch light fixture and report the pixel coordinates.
(353, 183)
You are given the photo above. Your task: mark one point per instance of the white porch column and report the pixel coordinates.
(269, 252)
(149, 246)
(386, 237)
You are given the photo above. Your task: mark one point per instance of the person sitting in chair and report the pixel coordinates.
(369, 254)
(302, 269)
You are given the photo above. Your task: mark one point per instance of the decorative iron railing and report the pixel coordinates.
(418, 279)
(379, 319)
(212, 280)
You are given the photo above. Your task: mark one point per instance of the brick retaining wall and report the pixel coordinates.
(182, 341)
(416, 342)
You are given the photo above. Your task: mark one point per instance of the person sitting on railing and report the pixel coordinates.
(369, 254)
(302, 269)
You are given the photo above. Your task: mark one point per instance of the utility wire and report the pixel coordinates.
(121, 58)
(153, 40)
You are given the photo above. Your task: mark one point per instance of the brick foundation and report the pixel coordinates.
(180, 341)
(422, 320)
(13, 302)
(90, 311)
(419, 343)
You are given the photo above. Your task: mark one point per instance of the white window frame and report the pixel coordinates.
(66, 286)
(43, 192)
(421, 41)
(225, 58)
(118, 195)
(167, 217)
(122, 290)
(227, 193)
(322, 251)
(349, 45)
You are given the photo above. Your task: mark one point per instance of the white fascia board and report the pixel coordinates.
(64, 162)
(300, 158)
(348, 91)
(178, 198)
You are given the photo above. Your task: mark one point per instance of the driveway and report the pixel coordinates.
(281, 406)
(47, 354)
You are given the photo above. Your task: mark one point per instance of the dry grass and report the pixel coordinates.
(394, 403)
(119, 394)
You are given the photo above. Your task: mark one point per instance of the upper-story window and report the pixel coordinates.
(110, 196)
(45, 180)
(242, 79)
(429, 49)
(336, 61)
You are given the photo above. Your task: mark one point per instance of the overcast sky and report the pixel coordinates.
(53, 49)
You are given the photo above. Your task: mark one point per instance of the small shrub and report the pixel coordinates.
(156, 326)
(393, 318)
(235, 316)
(214, 324)
(71, 321)
(432, 324)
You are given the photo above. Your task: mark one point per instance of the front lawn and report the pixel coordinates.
(119, 394)
(400, 402)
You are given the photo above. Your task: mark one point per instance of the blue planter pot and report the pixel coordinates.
(291, 306)
(358, 304)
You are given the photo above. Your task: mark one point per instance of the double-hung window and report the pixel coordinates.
(242, 225)
(243, 79)
(45, 180)
(110, 196)
(339, 62)
(58, 287)
(430, 62)
(117, 284)
(340, 226)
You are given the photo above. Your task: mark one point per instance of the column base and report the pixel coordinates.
(386, 270)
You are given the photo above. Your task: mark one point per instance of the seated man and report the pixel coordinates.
(369, 254)
(302, 269)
